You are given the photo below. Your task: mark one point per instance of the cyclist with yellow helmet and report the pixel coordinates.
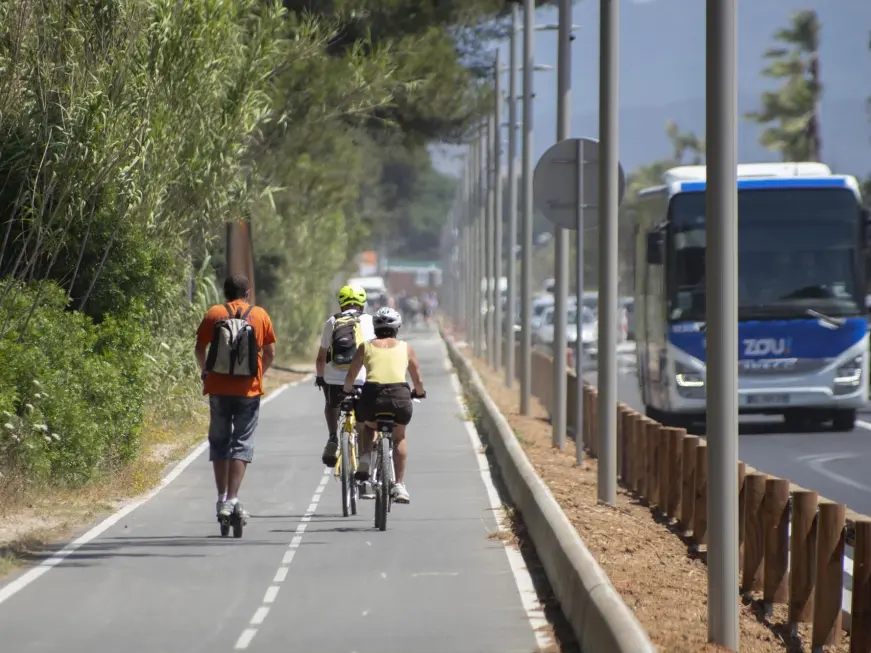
(342, 334)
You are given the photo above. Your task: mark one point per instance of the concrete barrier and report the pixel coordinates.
(600, 619)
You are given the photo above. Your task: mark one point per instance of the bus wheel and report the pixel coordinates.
(844, 420)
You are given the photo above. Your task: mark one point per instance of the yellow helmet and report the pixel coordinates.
(348, 295)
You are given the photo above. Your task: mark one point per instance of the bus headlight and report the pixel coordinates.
(690, 383)
(849, 375)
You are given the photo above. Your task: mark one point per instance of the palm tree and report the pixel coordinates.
(794, 107)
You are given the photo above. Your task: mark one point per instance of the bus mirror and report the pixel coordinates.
(654, 248)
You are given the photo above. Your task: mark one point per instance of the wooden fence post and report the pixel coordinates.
(594, 423)
(662, 466)
(700, 513)
(828, 593)
(627, 429)
(776, 511)
(675, 471)
(652, 461)
(631, 449)
(688, 483)
(802, 562)
(641, 457)
(860, 611)
(754, 532)
(742, 474)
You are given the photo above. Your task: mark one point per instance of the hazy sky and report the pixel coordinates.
(662, 62)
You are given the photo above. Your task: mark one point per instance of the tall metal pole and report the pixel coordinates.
(482, 237)
(561, 241)
(609, 67)
(489, 221)
(721, 269)
(526, 240)
(579, 300)
(497, 215)
(476, 244)
(466, 245)
(512, 202)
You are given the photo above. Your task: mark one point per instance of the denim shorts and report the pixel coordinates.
(231, 427)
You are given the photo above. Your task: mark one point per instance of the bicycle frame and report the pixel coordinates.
(383, 446)
(348, 426)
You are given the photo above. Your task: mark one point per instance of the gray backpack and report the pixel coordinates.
(234, 345)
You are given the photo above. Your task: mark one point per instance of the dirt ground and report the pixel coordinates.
(650, 566)
(35, 517)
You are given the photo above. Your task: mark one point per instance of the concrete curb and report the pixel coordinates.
(602, 622)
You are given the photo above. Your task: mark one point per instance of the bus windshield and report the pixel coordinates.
(799, 250)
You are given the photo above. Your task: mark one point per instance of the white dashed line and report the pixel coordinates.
(248, 634)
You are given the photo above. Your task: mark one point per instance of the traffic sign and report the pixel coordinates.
(562, 188)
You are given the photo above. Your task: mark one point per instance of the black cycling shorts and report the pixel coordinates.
(392, 398)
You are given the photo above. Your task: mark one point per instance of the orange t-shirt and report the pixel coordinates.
(224, 384)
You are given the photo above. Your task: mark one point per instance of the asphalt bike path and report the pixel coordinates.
(302, 578)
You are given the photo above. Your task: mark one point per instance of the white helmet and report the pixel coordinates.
(387, 318)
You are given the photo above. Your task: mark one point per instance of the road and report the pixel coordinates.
(834, 464)
(303, 578)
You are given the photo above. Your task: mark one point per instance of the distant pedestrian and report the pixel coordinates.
(235, 347)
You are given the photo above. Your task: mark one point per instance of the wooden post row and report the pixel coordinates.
(776, 511)
(754, 533)
(675, 471)
(688, 483)
(828, 593)
(860, 611)
(700, 512)
(802, 554)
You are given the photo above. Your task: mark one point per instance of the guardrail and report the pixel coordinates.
(797, 548)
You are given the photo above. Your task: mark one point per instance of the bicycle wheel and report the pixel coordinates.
(376, 486)
(346, 475)
(384, 472)
(355, 484)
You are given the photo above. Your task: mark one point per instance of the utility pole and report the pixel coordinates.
(721, 320)
(497, 215)
(609, 199)
(512, 202)
(526, 240)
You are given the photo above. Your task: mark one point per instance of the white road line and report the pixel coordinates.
(526, 589)
(15, 586)
(259, 616)
(262, 611)
(817, 461)
(863, 424)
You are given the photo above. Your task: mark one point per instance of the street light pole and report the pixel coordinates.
(497, 215)
(609, 67)
(561, 241)
(489, 220)
(512, 201)
(721, 320)
(526, 240)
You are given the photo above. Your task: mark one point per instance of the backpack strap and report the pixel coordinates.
(228, 309)
(247, 312)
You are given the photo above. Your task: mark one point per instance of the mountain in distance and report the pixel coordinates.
(662, 77)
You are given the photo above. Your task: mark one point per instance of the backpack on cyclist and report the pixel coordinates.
(233, 349)
(347, 336)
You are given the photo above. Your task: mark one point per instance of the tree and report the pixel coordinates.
(794, 107)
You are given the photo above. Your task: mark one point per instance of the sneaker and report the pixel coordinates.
(366, 491)
(225, 509)
(331, 452)
(399, 493)
(241, 513)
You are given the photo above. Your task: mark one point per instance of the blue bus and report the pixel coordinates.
(803, 326)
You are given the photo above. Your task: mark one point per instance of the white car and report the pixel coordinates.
(543, 335)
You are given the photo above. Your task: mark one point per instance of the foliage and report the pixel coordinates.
(794, 107)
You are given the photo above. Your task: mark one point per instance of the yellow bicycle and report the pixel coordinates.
(346, 465)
